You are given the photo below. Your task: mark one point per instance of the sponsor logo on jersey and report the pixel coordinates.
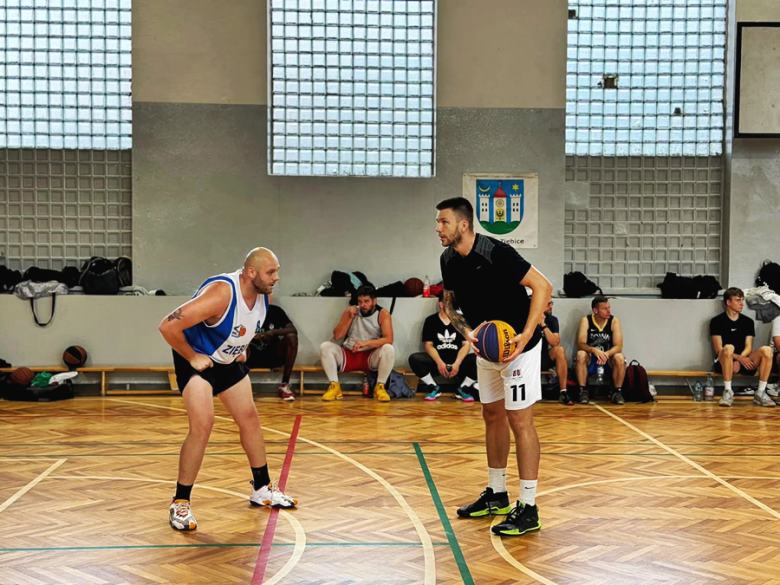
(238, 331)
(234, 350)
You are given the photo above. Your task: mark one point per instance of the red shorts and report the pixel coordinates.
(356, 361)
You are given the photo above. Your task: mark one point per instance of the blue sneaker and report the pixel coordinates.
(433, 394)
(462, 394)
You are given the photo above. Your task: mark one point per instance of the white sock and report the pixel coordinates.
(727, 385)
(761, 387)
(427, 379)
(497, 479)
(528, 491)
(467, 382)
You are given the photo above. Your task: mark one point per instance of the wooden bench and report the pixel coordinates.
(104, 372)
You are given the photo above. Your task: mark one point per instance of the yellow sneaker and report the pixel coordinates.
(381, 394)
(333, 393)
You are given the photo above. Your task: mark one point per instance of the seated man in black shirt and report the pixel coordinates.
(447, 354)
(275, 345)
(553, 354)
(732, 339)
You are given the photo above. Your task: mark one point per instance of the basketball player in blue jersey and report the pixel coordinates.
(209, 336)
(486, 278)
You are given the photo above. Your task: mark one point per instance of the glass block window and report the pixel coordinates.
(352, 88)
(65, 73)
(645, 78)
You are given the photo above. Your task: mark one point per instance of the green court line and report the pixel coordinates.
(238, 545)
(465, 574)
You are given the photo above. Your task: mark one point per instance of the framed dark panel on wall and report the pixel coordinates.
(757, 91)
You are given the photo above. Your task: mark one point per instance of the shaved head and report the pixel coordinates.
(258, 257)
(261, 268)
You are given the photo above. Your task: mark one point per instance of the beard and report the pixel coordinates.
(453, 241)
(261, 288)
(367, 313)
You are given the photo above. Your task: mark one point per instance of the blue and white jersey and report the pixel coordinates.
(224, 341)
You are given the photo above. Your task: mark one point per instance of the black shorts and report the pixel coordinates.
(742, 371)
(220, 376)
(547, 362)
(265, 358)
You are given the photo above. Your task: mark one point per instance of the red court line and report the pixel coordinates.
(270, 528)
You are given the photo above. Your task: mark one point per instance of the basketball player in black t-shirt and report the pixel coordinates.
(486, 278)
(274, 346)
(732, 339)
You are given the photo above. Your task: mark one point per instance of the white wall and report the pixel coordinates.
(661, 334)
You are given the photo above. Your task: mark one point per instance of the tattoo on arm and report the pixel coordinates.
(456, 318)
(177, 314)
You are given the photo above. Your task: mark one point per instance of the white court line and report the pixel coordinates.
(300, 533)
(682, 457)
(422, 533)
(31, 485)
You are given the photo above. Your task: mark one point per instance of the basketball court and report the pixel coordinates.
(673, 492)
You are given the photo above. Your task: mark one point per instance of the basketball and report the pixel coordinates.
(74, 357)
(494, 341)
(414, 287)
(22, 377)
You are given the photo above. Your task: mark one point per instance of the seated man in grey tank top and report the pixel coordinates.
(367, 331)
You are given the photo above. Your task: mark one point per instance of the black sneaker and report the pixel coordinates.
(564, 399)
(583, 395)
(617, 397)
(521, 519)
(488, 504)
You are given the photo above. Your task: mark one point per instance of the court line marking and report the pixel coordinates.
(225, 545)
(460, 560)
(693, 464)
(300, 533)
(264, 554)
(31, 485)
(422, 533)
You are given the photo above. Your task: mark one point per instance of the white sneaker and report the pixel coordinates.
(772, 390)
(727, 399)
(763, 400)
(180, 516)
(268, 495)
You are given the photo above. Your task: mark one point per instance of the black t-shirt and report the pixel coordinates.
(552, 324)
(275, 318)
(445, 338)
(733, 332)
(487, 286)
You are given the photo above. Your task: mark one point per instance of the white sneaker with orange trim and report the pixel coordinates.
(180, 515)
(268, 495)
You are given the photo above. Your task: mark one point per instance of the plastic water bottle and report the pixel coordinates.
(365, 384)
(600, 376)
(698, 392)
(426, 287)
(709, 388)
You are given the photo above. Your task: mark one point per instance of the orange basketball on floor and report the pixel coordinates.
(22, 377)
(75, 357)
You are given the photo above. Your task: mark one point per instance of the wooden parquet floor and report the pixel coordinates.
(671, 493)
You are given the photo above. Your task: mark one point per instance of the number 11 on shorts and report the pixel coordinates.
(522, 392)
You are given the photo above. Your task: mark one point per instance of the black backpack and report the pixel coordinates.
(769, 275)
(576, 285)
(9, 278)
(124, 268)
(636, 388)
(99, 276)
(685, 287)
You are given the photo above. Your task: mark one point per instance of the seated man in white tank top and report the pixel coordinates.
(368, 329)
